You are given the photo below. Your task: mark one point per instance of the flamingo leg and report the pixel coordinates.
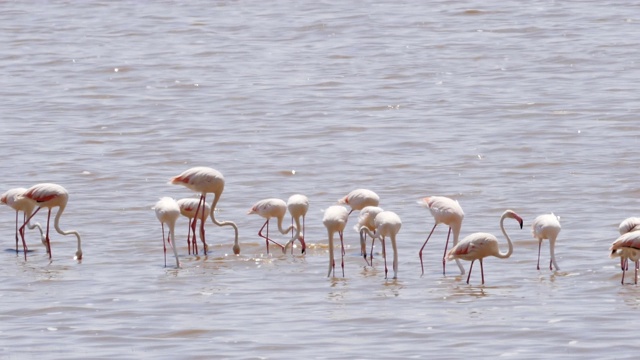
(24, 243)
(446, 245)
(164, 246)
(539, 246)
(17, 231)
(189, 238)
(266, 238)
(423, 245)
(636, 274)
(202, 221)
(373, 240)
(482, 271)
(384, 255)
(470, 267)
(342, 246)
(48, 240)
(623, 271)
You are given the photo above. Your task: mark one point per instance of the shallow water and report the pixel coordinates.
(497, 104)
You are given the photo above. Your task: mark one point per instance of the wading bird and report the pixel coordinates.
(477, 246)
(51, 195)
(168, 211)
(271, 208)
(387, 223)
(366, 219)
(188, 208)
(298, 206)
(14, 199)
(547, 226)
(206, 180)
(335, 220)
(444, 211)
(627, 246)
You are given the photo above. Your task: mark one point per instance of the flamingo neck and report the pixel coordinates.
(283, 231)
(173, 242)
(236, 245)
(56, 225)
(299, 233)
(510, 250)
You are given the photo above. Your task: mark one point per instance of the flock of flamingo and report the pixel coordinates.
(373, 221)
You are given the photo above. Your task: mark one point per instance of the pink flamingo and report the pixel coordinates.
(269, 208)
(188, 208)
(168, 212)
(51, 195)
(298, 206)
(14, 199)
(444, 211)
(335, 220)
(206, 180)
(627, 246)
(547, 226)
(366, 220)
(477, 246)
(387, 223)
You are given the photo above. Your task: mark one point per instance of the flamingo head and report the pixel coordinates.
(236, 249)
(78, 255)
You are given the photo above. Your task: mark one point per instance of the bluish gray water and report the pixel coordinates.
(529, 106)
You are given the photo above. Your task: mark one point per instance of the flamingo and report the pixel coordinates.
(480, 245)
(298, 206)
(188, 207)
(387, 223)
(335, 220)
(50, 195)
(629, 225)
(627, 246)
(168, 212)
(444, 211)
(206, 180)
(547, 226)
(366, 219)
(269, 208)
(16, 201)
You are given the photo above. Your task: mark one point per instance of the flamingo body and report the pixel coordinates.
(335, 220)
(387, 224)
(359, 198)
(444, 211)
(168, 211)
(206, 180)
(51, 195)
(627, 246)
(547, 226)
(298, 206)
(477, 246)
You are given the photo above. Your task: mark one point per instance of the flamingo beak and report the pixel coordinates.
(304, 245)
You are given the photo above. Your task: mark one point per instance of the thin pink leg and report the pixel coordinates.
(384, 254)
(539, 246)
(423, 245)
(202, 221)
(446, 245)
(482, 271)
(48, 240)
(470, 267)
(342, 258)
(164, 246)
(189, 237)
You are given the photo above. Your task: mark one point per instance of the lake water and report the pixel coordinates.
(530, 106)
